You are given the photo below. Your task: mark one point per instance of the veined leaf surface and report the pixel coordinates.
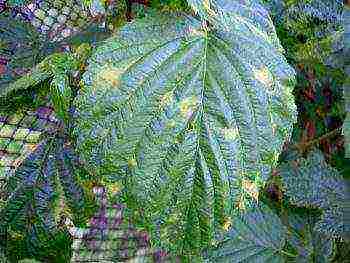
(312, 182)
(195, 115)
(255, 236)
(34, 204)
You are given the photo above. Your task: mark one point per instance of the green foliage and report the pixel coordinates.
(303, 240)
(55, 71)
(312, 183)
(255, 236)
(186, 113)
(191, 117)
(34, 205)
(333, 221)
(346, 88)
(20, 45)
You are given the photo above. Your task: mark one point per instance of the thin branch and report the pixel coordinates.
(303, 145)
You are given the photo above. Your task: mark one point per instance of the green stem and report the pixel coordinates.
(288, 254)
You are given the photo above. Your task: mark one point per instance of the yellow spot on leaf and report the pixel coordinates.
(196, 32)
(230, 134)
(241, 203)
(171, 124)
(264, 76)
(132, 163)
(110, 75)
(113, 188)
(227, 224)
(187, 106)
(166, 99)
(251, 189)
(274, 128)
(16, 236)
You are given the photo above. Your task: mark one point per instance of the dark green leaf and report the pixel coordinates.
(312, 182)
(310, 245)
(34, 205)
(20, 47)
(255, 236)
(334, 221)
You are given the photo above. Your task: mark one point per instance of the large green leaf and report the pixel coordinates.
(193, 114)
(255, 236)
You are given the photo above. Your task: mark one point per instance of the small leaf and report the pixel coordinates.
(61, 95)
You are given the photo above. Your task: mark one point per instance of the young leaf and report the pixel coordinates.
(61, 94)
(195, 113)
(57, 64)
(255, 236)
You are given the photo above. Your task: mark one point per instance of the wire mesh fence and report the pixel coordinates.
(20, 133)
(111, 237)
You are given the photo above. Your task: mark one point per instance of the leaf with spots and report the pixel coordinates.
(191, 116)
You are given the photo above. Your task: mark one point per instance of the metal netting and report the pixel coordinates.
(111, 237)
(56, 20)
(20, 133)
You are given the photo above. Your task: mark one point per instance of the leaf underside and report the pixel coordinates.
(195, 116)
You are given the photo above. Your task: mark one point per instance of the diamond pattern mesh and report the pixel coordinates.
(58, 19)
(55, 20)
(20, 134)
(111, 237)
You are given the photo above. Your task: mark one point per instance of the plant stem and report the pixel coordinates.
(303, 146)
(288, 254)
